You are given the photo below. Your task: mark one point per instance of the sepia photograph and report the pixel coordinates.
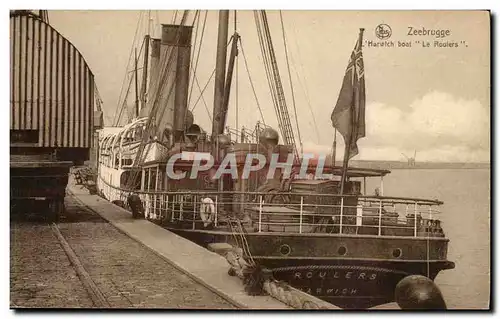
(250, 159)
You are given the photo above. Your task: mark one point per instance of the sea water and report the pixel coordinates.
(465, 219)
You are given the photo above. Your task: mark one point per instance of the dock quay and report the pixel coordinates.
(179, 252)
(97, 256)
(111, 269)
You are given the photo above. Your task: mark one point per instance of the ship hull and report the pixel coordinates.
(347, 282)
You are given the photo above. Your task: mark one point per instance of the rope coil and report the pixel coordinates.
(258, 280)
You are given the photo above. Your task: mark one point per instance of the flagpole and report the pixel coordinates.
(334, 148)
(344, 166)
(346, 150)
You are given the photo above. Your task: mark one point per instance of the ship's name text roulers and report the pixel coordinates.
(422, 31)
(335, 275)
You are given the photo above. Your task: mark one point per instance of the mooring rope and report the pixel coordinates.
(260, 280)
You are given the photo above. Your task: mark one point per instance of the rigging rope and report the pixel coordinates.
(278, 89)
(191, 58)
(266, 67)
(274, 81)
(236, 79)
(124, 104)
(197, 56)
(206, 85)
(272, 88)
(239, 233)
(201, 95)
(128, 64)
(251, 82)
(202, 91)
(236, 90)
(192, 69)
(291, 84)
(304, 86)
(117, 119)
(308, 103)
(175, 16)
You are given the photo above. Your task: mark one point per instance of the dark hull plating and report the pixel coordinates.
(347, 282)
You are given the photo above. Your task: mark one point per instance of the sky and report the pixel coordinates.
(433, 100)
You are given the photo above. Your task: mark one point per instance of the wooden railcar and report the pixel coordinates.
(51, 111)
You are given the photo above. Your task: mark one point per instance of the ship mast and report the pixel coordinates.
(220, 74)
(229, 78)
(136, 87)
(145, 63)
(145, 74)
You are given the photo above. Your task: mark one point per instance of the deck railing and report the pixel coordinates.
(245, 135)
(296, 213)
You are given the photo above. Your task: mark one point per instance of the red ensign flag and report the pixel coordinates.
(348, 116)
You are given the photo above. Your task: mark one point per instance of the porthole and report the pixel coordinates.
(285, 250)
(342, 251)
(397, 253)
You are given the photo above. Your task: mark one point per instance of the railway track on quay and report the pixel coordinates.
(85, 262)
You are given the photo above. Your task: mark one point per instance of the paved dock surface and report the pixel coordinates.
(127, 273)
(132, 263)
(40, 272)
(206, 267)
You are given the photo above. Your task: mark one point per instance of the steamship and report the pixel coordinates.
(324, 235)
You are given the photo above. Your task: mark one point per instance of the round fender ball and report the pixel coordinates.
(418, 292)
